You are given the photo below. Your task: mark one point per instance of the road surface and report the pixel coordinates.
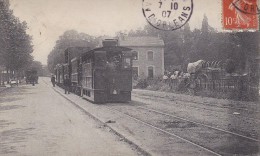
(37, 121)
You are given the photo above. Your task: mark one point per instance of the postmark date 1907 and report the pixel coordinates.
(167, 14)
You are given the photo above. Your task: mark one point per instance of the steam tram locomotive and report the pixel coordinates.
(100, 75)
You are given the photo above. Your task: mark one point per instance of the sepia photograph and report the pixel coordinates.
(129, 77)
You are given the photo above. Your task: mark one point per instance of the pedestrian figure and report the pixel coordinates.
(53, 80)
(165, 78)
(32, 78)
(66, 84)
(173, 79)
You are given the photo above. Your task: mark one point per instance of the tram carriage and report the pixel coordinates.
(107, 74)
(66, 70)
(100, 75)
(60, 71)
(31, 76)
(76, 76)
(59, 74)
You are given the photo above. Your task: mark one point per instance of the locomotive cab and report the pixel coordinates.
(107, 74)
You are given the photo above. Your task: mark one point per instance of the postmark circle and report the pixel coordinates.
(167, 15)
(247, 6)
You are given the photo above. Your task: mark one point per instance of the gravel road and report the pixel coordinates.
(37, 121)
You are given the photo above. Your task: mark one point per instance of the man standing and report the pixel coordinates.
(66, 84)
(53, 80)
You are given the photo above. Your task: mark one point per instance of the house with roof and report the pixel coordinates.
(148, 55)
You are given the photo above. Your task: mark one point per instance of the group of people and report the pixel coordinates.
(66, 83)
(177, 79)
(176, 75)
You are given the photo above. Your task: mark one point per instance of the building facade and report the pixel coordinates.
(148, 55)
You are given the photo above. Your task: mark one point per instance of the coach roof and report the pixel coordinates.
(112, 49)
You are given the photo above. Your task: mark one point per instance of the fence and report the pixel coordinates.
(235, 87)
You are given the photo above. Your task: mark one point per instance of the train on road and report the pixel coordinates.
(100, 75)
(31, 76)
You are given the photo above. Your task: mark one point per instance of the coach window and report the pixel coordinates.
(150, 55)
(127, 62)
(150, 72)
(135, 72)
(135, 55)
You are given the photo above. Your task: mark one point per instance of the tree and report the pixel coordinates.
(20, 48)
(69, 38)
(36, 65)
(205, 25)
(183, 45)
(15, 43)
(3, 26)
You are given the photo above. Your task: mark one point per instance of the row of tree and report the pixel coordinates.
(183, 45)
(70, 38)
(41, 69)
(15, 44)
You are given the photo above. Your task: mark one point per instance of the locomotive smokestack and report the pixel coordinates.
(110, 42)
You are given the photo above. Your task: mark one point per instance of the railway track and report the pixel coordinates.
(225, 120)
(207, 106)
(216, 128)
(164, 131)
(204, 137)
(212, 139)
(236, 107)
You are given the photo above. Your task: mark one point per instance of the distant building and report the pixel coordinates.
(148, 55)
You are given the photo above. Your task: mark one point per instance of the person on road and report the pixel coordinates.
(33, 79)
(67, 84)
(53, 80)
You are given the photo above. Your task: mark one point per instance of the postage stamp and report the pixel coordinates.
(240, 15)
(167, 14)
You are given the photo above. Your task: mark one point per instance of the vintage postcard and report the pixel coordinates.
(129, 77)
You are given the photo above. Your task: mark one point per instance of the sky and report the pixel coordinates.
(48, 19)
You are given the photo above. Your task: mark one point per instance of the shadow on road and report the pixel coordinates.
(12, 137)
(11, 95)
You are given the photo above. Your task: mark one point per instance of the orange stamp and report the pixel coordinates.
(240, 14)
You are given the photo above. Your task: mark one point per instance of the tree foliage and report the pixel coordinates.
(41, 69)
(15, 43)
(70, 38)
(183, 45)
